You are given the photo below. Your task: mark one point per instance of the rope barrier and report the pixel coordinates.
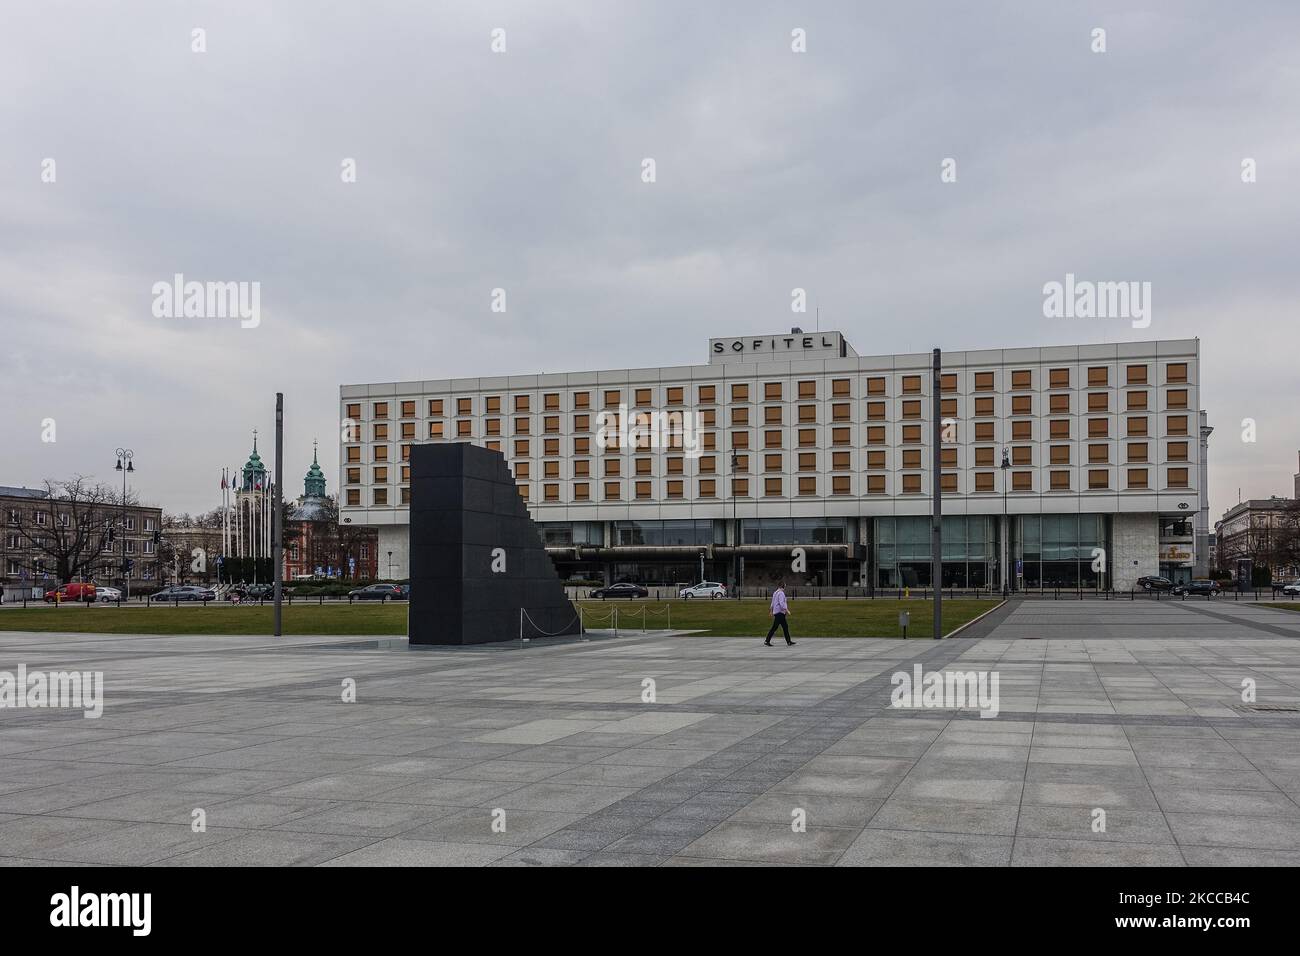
(523, 614)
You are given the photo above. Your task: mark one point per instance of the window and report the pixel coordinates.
(408, 430)
(1098, 454)
(739, 392)
(381, 474)
(613, 397)
(582, 423)
(984, 406)
(380, 453)
(522, 469)
(807, 486)
(841, 485)
(380, 410)
(1135, 426)
(708, 464)
(523, 490)
(551, 492)
(1022, 481)
(551, 469)
(809, 389)
(912, 409)
(1137, 477)
(613, 466)
(1176, 372)
(582, 446)
(876, 411)
(840, 412)
(708, 394)
(1059, 480)
(948, 382)
(674, 488)
(408, 409)
(675, 465)
(492, 404)
(1177, 451)
(875, 484)
(613, 490)
(1137, 451)
(875, 386)
(1176, 425)
(840, 388)
(948, 457)
(354, 496)
(463, 428)
(1024, 430)
(521, 448)
(581, 469)
(911, 458)
(642, 466)
(642, 397)
(551, 447)
(875, 459)
(1098, 402)
(708, 488)
(911, 484)
(675, 395)
(984, 431)
(1022, 404)
(984, 381)
(807, 413)
(840, 436)
(354, 453)
(1098, 478)
(740, 487)
(435, 429)
(948, 407)
(1024, 378)
(911, 384)
(740, 439)
(582, 399)
(354, 476)
(740, 416)
(948, 482)
(643, 489)
(1098, 427)
(839, 460)
(984, 456)
(984, 481)
(1059, 378)
(772, 463)
(381, 496)
(1099, 376)
(771, 391)
(581, 491)
(551, 424)
(354, 410)
(772, 415)
(875, 435)
(1136, 375)
(381, 432)
(464, 406)
(404, 496)
(911, 434)
(772, 487)
(1059, 403)
(1176, 398)
(1136, 401)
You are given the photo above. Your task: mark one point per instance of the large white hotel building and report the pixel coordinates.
(796, 440)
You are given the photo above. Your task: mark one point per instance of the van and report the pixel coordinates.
(71, 592)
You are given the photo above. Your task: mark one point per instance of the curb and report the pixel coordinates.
(976, 620)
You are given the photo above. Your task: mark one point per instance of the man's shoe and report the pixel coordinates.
(767, 643)
(789, 643)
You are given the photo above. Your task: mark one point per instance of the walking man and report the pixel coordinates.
(780, 611)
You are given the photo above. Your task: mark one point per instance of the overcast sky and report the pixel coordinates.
(522, 170)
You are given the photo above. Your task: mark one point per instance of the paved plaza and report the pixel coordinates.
(549, 755)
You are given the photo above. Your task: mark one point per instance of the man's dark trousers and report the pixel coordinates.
(778, 620)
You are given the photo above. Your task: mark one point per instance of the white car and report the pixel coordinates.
(106, 595)
(705, 589)
(1291, 587)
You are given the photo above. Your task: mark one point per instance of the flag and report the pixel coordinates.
(223, 481)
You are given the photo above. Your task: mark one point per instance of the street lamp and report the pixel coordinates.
(1006, 522)
(126, 467)
(735, 526)
(390, 565)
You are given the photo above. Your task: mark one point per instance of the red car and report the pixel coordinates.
(71, 592)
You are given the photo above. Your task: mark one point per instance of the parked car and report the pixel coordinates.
(75, 591)
(254, 592)
(624, 589)
(104, 595)
(1153, 582)
(406, 592)
(184, 592)
(705, 589)
(377, 592)
(1291, 587)
(1198, 586)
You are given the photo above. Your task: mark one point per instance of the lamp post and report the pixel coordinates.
(735, 526)
(390, 565)
(126, 467)
(1006, 523)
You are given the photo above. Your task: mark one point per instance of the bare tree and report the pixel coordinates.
(68, 527)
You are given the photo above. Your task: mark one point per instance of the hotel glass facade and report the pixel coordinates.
(1060, 458)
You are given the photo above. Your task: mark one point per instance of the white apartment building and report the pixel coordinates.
(1070, 466)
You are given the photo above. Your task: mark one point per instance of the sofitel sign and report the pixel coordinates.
(794, 345)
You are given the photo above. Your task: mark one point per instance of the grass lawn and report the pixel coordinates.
(298, 619)
(714, 618)
(1289, 606)
(729, 618)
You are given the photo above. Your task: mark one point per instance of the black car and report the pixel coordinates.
(1153, 582)
(254, 592)
(625, 589)
(1199, 586)
(185, 592)
(377, 592)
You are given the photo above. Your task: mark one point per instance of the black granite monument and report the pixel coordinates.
(476, 556)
